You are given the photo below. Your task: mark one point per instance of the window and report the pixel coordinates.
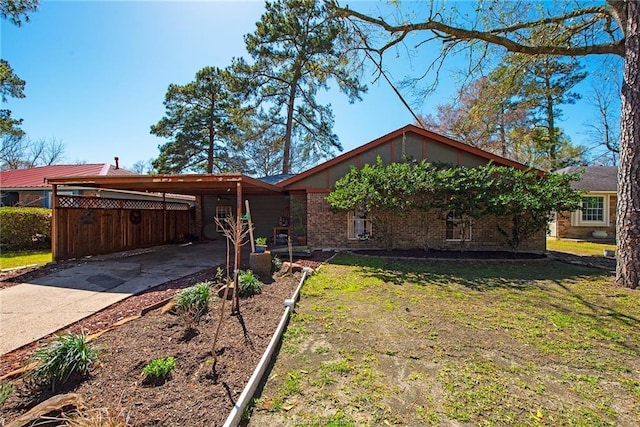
(458, 227)
(593, 209)
(358, 225)
(10, 198)
(222, 212)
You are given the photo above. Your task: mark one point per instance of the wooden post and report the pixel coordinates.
(164, 218)
(253, 246)
(54, 218)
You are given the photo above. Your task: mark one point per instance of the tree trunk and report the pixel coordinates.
(212, 136)
(286, 152)
(553, 143)
(628, 210)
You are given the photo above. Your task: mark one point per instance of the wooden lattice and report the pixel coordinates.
(87, 202)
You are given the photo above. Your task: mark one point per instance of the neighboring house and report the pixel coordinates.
(28, 187)
(597, 217)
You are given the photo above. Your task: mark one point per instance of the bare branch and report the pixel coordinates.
(448, 33)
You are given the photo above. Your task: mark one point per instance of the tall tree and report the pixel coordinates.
(13, 86)
(579, 28)
(297, 50)
(506, 112)
(199, 121)
(548, 83)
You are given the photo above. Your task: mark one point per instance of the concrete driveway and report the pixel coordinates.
(30, 311)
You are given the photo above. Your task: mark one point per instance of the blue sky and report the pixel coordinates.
(97, 73)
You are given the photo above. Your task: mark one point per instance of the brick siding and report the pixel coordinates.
(421, 230)
(30, 199)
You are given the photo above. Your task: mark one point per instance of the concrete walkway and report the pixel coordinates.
(30, 311)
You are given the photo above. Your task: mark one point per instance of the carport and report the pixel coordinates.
(86, 225)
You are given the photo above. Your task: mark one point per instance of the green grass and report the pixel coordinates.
(578, 247)
(442, 343)
(20, 259)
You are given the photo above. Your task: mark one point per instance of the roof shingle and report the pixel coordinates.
(595, 178)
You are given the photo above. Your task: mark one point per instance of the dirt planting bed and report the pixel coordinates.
(199, 392)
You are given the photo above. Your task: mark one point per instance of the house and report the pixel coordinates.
(437, 230)
(280, 206)
(597, 217)
(28, 187)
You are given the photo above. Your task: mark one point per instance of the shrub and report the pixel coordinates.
(58, 360)
(25, 228)
(6, 390)
(159, 368)
(276, 264)
(193, 302)
(249, 283)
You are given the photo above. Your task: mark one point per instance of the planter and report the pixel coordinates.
(260, 249)
(599, 234)
(260, 264)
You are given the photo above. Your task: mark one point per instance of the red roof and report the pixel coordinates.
(34, 177)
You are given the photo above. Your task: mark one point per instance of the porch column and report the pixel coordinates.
(164, 218)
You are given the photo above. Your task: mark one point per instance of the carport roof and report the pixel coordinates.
(178, 184)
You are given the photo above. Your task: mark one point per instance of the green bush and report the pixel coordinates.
(25, 228)
(276, 264)
(249, 283)
(159, 368)
(58, 360)
(193, 302)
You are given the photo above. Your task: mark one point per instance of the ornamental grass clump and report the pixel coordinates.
(193, 302)
(57, 361)
(249, 283)
(6, 390)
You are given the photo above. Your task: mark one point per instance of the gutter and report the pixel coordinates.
(235, 416)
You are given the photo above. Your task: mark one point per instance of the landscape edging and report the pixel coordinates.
(235, 415)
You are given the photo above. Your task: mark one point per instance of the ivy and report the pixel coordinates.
(525, 198)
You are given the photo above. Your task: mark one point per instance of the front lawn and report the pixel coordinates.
(20, 259)
(579, 247)
(377, 342)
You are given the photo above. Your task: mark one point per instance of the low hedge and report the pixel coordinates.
(25, 228)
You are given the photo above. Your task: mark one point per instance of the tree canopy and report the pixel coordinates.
(200, 124)
(513, 111)
(10, 86)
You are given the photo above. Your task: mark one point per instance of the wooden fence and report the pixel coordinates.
(85, 226)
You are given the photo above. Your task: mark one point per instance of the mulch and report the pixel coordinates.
(199, 392)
